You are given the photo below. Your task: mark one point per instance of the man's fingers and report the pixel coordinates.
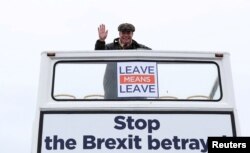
(102, 27)
(102, 32)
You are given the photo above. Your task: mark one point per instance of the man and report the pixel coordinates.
(124, 41)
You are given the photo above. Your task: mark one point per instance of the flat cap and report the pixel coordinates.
(126, 27)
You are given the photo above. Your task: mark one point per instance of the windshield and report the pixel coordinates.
(136, 80)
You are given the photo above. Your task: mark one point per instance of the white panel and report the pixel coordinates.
(173, 132)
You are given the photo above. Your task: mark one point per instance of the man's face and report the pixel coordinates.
(126, 37)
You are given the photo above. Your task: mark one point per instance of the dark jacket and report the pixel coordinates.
(110, 76)
(100, 45)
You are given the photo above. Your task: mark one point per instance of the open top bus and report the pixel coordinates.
(133, 101)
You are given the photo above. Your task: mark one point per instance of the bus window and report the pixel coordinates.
(190, 81)
(78, 81)
(136, 80)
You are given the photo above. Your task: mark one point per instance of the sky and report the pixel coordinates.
(29, 27)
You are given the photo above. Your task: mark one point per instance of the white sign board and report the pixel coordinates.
(122, 132)
(137, 79)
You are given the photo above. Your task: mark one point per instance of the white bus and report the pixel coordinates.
(133, 101)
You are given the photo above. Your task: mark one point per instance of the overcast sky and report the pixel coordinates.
(28, 27)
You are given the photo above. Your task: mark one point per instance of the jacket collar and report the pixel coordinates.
(134, 43)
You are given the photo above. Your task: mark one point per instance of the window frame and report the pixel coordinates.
(134, 99)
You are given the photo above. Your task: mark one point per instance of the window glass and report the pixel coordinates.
(136, 80)
(188, 81)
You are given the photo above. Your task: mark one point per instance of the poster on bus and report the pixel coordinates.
(131, 132)
(137, 79)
